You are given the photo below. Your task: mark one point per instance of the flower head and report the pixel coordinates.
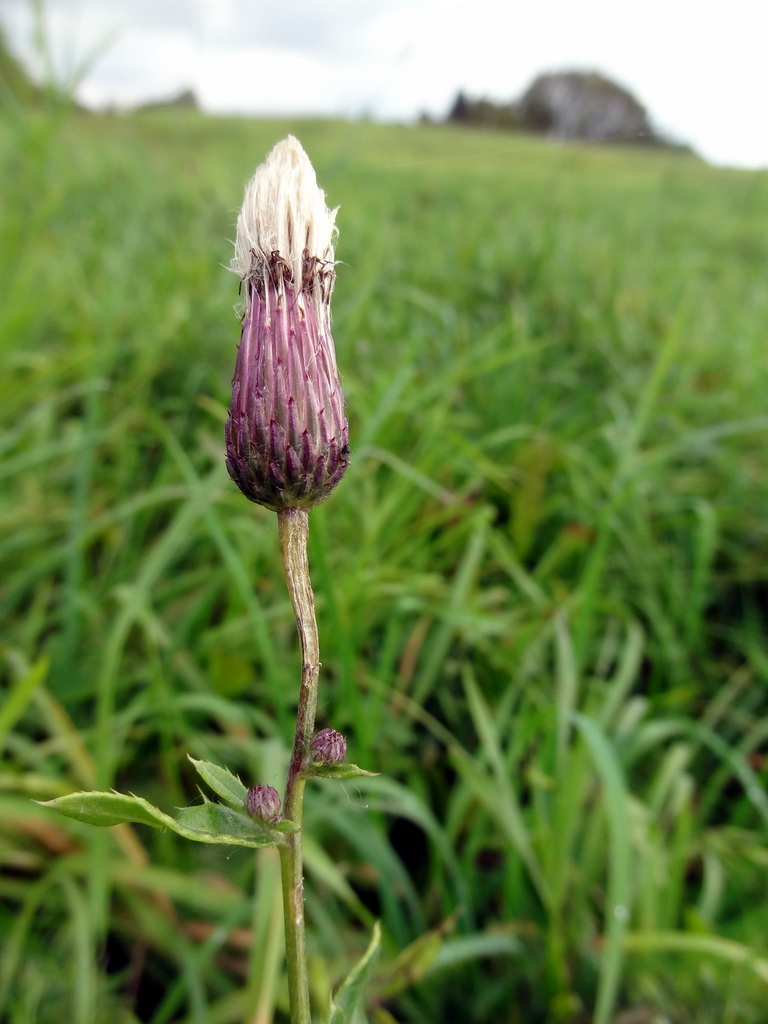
(286, 434)
(328, 747)
(263, 803)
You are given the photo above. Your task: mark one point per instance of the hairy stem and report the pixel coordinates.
(293, 525)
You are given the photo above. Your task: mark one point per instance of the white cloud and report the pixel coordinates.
(698, 68)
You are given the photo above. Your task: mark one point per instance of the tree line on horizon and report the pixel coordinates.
(565, 105)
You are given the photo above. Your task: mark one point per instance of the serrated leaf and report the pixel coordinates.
(105, 809)
(215, 823)
(348, 1004)
(204, 823)
(222, 782)
(334, 771)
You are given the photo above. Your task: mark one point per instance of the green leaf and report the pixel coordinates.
(415, 961)
(347, 1007)
(205, 823)
(109, 809)
(320, 770)
(215, 823)
(222, 782)
(697, 946)
(16, 699)
(476, 947)
(619, 888)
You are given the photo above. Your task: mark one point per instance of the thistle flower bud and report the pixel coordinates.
(263, 803)
(328, 747)
(286, 434)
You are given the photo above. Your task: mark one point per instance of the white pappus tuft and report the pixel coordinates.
(285, 231)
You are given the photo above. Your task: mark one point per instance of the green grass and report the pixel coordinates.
(541, 586)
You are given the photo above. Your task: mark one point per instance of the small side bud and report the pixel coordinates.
(263, 803)
(328, 747)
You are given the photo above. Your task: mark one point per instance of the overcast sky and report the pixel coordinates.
(699, 68)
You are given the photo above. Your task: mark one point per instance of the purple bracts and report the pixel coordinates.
(263, 803)
(328, 747)
(286, 434)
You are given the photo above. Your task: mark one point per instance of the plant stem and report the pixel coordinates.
(293, 526)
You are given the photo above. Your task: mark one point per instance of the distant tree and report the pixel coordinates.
(484, 113)
(584, 105)
(460, 109)
(566, 105)
(186, 99)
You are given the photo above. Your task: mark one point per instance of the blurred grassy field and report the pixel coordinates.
(541, 586)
